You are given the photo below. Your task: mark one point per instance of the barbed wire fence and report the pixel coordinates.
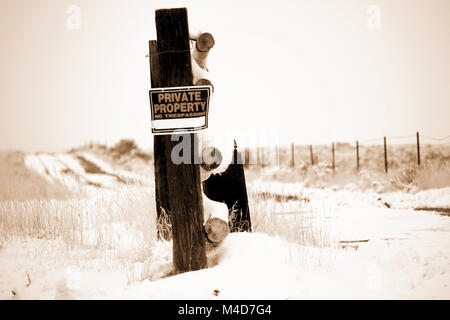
(260, 160)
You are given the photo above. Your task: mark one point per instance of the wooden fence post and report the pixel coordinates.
(357, 155)
(385, 156)
(257, 157)
(311, 153)
(262, 157)
(171, 67)
(292, 155)
(332, 152)
(246, 157)
(418, 148)
(277, 150)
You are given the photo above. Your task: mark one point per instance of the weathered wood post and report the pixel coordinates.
(246, 157)
(257, 157)
(333, 157)
(385, 156)
(163, 223)
(177, 187)
(242, 221)
(277, 155)
(292, 155)
(418, 148)
(262, 157)
(357, 155)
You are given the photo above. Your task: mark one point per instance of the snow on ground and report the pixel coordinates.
(406, 256)
(435, 198)
(380, 253)
(349, 196)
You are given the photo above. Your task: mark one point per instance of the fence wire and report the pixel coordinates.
(438, 141)
(418, 141)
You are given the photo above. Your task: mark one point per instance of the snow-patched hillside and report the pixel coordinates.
(81, 169)
(371, 251)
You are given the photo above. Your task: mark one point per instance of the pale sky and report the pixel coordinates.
(301, 71)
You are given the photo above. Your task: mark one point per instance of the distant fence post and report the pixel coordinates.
(292, 155)
(262, 157)
(357, 155)
(418, 148)
(246, 157)
(333, 157)
(258, 161)
(385, 157)
(277, 150)
(312, 155)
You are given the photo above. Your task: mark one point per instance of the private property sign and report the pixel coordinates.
(179, 109)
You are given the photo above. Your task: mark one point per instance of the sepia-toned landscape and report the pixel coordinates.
(82, 225)
(224, 150)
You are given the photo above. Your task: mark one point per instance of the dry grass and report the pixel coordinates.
(432, 175)
(114, 229)
(296, 221)
(103, 221)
